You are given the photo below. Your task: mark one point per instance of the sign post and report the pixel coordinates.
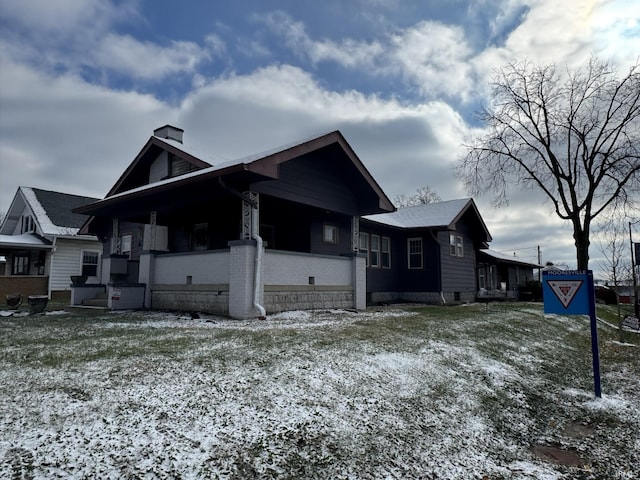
(571, 292)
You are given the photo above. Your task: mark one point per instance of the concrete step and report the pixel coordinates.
(95, 302)
(84, 309)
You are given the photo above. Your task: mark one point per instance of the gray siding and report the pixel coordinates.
(458, 273)
(312, 181)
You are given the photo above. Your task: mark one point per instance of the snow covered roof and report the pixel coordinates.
(27, 240)
(53, 210)
(503, 257)
(441, 214)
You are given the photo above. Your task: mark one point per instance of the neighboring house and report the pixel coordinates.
(425, 253)
(502, 275)
(41, 247)
(301, 227)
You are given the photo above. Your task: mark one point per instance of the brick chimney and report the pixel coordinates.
(169, 132)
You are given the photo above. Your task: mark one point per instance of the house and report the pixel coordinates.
(41, 247)
(304, 226)
(180, 233)
(508, 276)
(426, 253)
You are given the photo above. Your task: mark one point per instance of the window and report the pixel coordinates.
(20, 264)
(125, 244)
(456, 248)
(364, 246)
(482, 283)
(330, 233)
(386, 252)
(200, 236)
(414, 250)
(28, 225)
(90, 263)
(375, 250)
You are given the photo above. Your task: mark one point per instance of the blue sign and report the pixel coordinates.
(567, 292)
(571, 292)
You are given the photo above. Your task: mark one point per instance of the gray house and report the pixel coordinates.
(301, 227)
(271, 232)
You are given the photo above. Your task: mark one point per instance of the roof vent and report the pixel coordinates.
(169, 132)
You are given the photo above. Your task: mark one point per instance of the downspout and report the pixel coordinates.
(53, 250)
(438, 265)
(257, 278)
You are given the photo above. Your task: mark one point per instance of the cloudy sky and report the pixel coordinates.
(83, 83)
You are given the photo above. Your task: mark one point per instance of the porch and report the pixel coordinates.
(237, 281)
(24, 285)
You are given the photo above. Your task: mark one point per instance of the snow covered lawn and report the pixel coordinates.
(416, 392)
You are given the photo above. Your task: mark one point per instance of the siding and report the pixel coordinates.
(313, 181)
(67, 261)
(458, 273)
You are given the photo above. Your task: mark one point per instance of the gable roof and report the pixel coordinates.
(52, 211)
(440, 215)
(136, 174)
(262, 166)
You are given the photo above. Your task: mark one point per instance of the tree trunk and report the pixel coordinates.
(581, 237)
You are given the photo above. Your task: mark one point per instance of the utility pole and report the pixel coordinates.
(634, 262)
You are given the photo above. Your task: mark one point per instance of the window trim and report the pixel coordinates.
(410, 254)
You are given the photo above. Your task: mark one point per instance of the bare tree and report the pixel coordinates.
(612, 244)
(572, 134)
(422, 196)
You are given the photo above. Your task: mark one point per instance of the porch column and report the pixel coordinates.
(115, 237)
(242, 265)
(359, 280)
(355, 234)
(146, 274)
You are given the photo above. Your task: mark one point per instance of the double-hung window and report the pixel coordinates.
(456, 245)
(414, 250)
(364, 245)
(377, 250)
(374, 254)
(90, 263)
(385, 252)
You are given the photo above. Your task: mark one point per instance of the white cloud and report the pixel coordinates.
(435, 57)
(60, 17)
(126, 55)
